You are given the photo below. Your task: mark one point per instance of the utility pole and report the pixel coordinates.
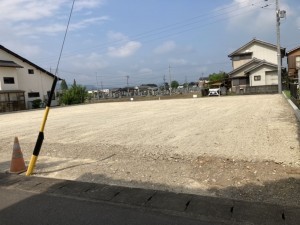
(278, 47)
(102, 89)
(164, 78)
(186, 85)
(97, 86)
(170, 79)
(279, 14)
(127, 85)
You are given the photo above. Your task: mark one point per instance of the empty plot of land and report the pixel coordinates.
(139, 141)
(245, 127)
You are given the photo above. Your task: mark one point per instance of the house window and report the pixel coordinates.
(9, 80)
(297, 62)
(33, 94)
(257, 78)
(30, 71)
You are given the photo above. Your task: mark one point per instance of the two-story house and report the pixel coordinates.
(21, 82)
(293, 61)
(254, 64)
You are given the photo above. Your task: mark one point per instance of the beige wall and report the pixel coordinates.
(37, 82)
(265, 79)
(262, 52)
(241, 72)
(239, 63)
(259, 51)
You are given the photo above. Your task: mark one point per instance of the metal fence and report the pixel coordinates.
(293, 90)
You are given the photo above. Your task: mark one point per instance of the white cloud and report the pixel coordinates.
(26, 29)
(25, 50)
(25, 17)
(252, 16)
(145, 70)
(87, 4)
(126, 50)
(165, 47)
(178, 62)
(24, 10)
(91, 62)
(116, 36)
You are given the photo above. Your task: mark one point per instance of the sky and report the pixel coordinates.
(112, 42)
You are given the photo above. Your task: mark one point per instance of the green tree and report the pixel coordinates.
(74, 83)
(63, 85)
(174, 84)
(214, 77)
(75, 95)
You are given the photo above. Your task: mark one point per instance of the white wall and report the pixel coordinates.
(259, 51)
(265, 79)
(8, 72)
(262, 52)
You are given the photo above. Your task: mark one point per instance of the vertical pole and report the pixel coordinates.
(97, 86)
(127, 85)
(170, 79)
(278, 47)
(40, 137)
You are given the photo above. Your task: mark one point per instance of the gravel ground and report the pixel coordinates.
(242, 147)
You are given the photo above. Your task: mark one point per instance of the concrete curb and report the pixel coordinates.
(294, 107)
(216, 210)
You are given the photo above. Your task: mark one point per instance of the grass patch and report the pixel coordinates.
(287, 93)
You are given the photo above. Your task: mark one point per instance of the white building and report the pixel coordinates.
(254, 64)
(21, 82)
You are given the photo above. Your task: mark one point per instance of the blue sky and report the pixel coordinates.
(112, 39)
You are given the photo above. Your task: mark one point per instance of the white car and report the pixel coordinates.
(214, 92)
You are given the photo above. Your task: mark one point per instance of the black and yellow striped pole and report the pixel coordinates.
(40, 138)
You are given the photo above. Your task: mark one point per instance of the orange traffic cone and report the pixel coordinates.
(17, 164)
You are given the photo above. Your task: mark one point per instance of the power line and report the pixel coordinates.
(175, 26)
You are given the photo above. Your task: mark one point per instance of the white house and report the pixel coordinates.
(254, 64)
(21, 82)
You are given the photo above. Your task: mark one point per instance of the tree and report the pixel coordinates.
(74, 83)
(63, 85)
(75, 95)
(214, 77)
(174, 84)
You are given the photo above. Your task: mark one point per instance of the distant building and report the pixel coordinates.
(293, 61)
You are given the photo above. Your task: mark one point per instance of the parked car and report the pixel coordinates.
(214, 92)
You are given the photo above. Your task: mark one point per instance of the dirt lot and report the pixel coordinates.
(242, 147)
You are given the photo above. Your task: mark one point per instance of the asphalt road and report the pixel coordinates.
(21, 207)
(34, 200)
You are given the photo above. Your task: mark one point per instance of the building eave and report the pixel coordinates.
(254, 60)
(27, 61)
(250, 43)
(260, 65)
(292, 50)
